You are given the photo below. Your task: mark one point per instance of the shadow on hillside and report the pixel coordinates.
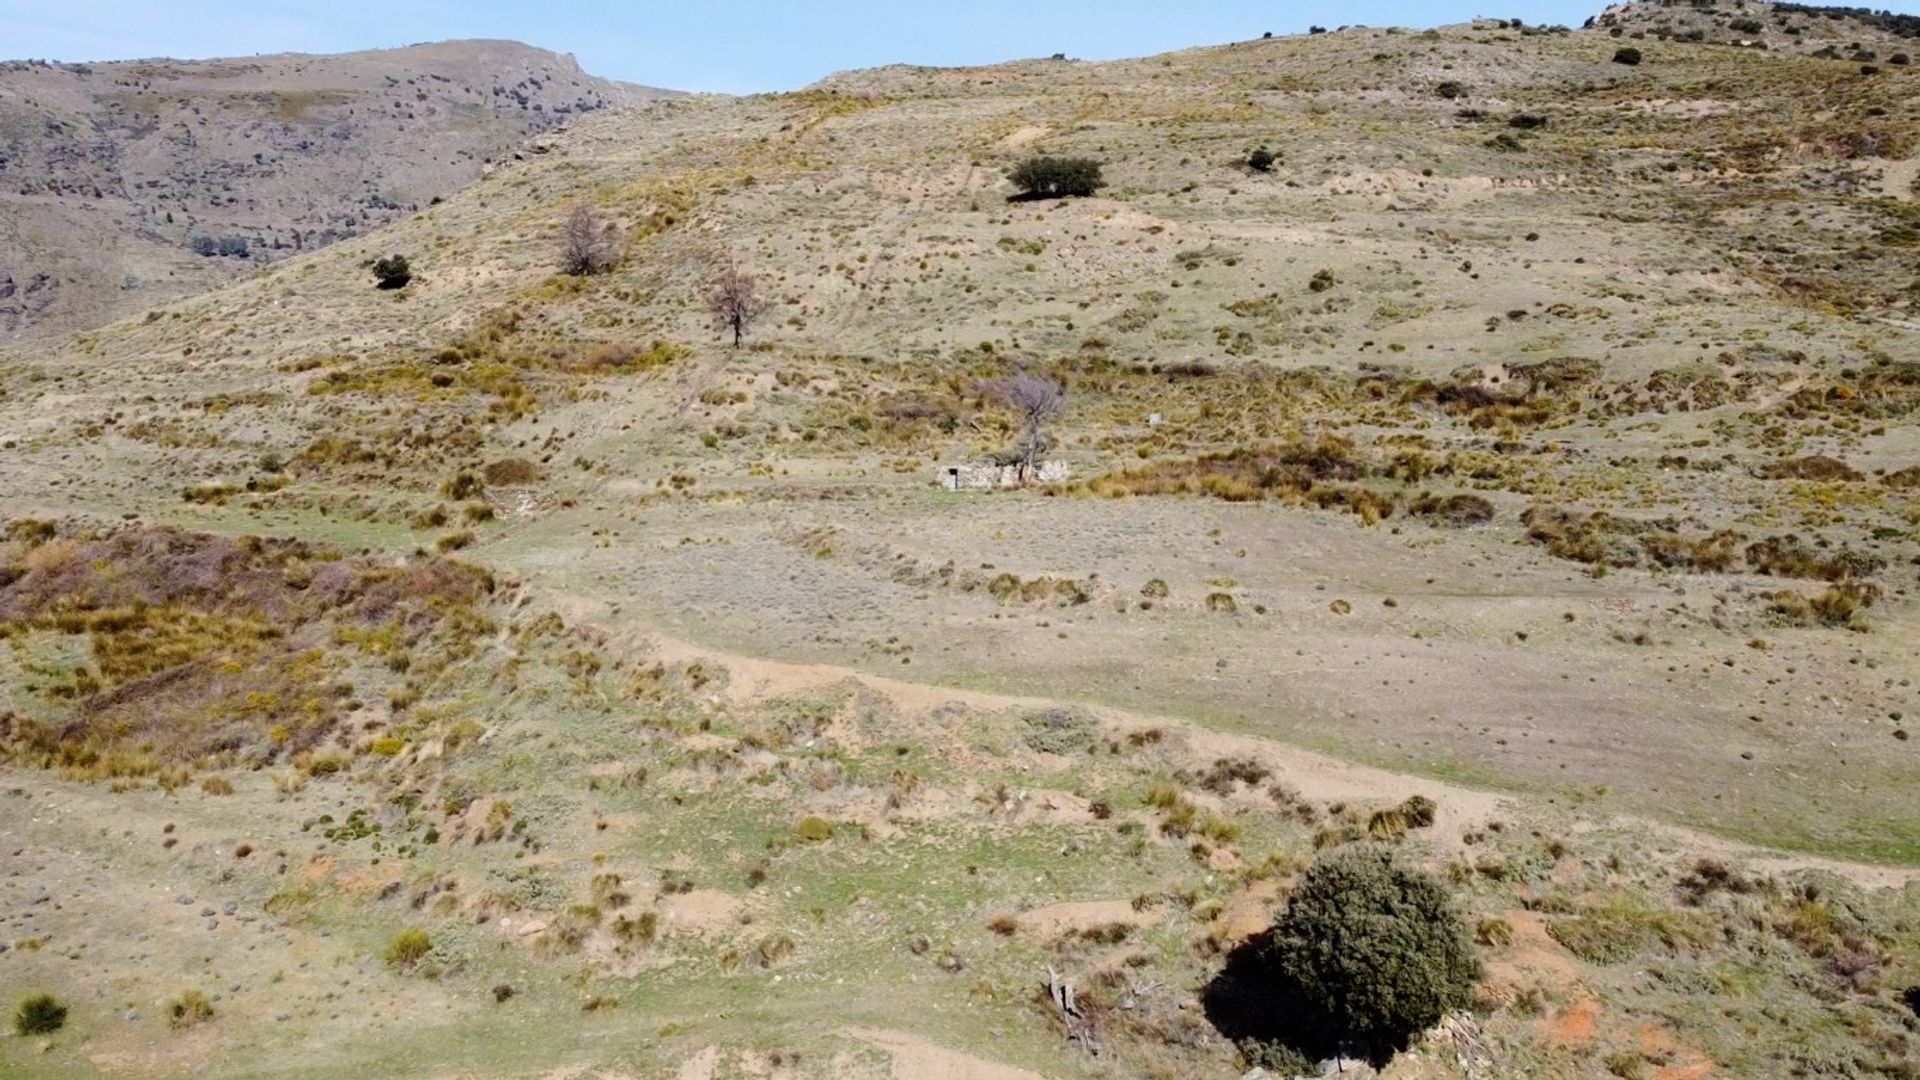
(1253, 1001)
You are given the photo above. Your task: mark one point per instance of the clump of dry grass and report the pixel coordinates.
(1842, 605)
(1790, 556)
(1315, 472)
(1454, 511)
(511, 472)
(1812, 467)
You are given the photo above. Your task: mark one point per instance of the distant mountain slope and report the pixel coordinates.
(123, 185)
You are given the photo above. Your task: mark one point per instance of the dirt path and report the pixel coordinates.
(1314, 775)
(914, 1058)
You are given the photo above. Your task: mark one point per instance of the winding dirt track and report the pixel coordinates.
(1314, 775)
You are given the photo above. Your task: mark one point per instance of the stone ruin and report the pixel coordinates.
(991, 475)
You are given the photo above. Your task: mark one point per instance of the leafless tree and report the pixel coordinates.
(735, 302)
(586, 247)
(1038, 400)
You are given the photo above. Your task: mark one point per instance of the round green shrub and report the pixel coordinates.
(392, 272)
(39, 1014)
(1057, 178)
(1376, 947)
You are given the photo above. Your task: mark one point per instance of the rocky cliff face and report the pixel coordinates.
(125, 184)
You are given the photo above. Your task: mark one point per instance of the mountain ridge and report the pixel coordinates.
(126, 183)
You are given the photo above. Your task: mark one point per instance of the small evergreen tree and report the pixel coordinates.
(1627, 55)
(1376, 947)
(392, 272)
(1057, 178)
(1261, 160)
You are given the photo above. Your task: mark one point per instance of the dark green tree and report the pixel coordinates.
(1261, 160)
(1375, 947)
(1057, 178)
(392, 272)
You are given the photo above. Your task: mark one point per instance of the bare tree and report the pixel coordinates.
(586, 247)
(1038, 400)
(735, 302)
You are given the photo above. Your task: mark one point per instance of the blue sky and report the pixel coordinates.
(734, 47)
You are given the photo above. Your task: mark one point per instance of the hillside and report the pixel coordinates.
(123, 185)
(1860, 35)
(1521, 474)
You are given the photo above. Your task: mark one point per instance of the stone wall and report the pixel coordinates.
(987, 476)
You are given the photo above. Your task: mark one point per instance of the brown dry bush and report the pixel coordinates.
(1598, 539)
(1453, 511)
(511, 472)
(1841, 605)
(1813, 467)
(1790, 556)
(205, 645)
(1288, 473)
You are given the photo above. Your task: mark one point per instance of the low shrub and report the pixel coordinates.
(1057, 178)
(1618, 929)
(1812, 467)
(1453, 511)
(511, 472)
(392, 272)
(189, 1009)
(408, 948)
(39, 1014)
(1058, 731)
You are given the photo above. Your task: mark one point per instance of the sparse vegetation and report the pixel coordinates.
(1575, 482)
